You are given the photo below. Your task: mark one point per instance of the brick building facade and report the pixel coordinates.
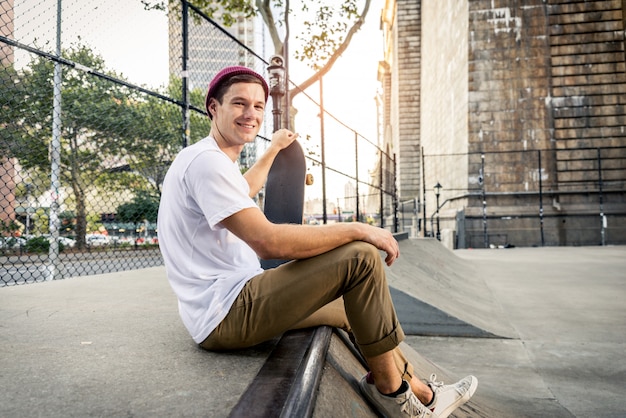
(518, 109)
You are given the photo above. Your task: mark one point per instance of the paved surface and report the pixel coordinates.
(566, 308)
(112, 345)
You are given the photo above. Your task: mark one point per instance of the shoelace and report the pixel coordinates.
(432, 382)
(436, 386)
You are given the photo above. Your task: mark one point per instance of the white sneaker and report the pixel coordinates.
(450, 397)
(405, 405)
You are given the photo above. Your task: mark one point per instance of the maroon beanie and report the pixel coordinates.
(225, 74)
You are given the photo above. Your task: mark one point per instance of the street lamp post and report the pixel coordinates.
(437, 189)
(276, 71)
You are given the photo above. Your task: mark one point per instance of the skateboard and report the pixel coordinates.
(284, 191)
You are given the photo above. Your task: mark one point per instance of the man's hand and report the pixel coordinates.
(383, 240)
(257, 174)
(282, 138)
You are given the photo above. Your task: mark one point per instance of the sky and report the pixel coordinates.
(134, 42)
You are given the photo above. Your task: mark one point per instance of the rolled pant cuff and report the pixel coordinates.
(388, 343)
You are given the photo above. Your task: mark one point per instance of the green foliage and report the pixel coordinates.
(143, 207)
(227, 11)
(94, 223)
(41, 221)
(94, 119)
(326, 31)
(158, 138)
(328, 25)
(38, 245)
(112, 138)
(68, 221)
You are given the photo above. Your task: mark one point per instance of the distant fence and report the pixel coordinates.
(553, 197)
(86, 140)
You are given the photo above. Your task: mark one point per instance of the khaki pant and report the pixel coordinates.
(309, 292)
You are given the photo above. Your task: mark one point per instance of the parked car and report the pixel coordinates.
(67, 242)
(96, 240)
(12, 243)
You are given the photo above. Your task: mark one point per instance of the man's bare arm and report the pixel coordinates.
(257, 174)
(290, 241)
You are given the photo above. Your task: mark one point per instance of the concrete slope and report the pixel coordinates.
(339, 395)
(429, 272)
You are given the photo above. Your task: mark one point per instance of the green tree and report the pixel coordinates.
(326, 36)
(41, 221)
(144, 207)
(94, 223)
(157, 138)
(95, 117)
(67, 219)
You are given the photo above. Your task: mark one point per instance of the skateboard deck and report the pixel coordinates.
(284, 191)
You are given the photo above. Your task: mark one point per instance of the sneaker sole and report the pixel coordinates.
(462, 400)
(367, 395)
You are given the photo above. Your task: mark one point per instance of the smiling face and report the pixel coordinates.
(237, 120)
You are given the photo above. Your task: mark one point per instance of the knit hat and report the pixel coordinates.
(225, 74)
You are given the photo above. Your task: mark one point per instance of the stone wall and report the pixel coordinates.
(408, 69)
(522, 117)
(444, 101)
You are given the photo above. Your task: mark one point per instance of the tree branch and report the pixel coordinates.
(331, 61)
(265, 10)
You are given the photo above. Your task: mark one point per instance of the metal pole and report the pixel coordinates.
(382, 193)
(602, 217)
(323, 152)
(356, 162)
(482, 170)
(29, 187)
(55, 157)
(540, 199)
(438, 228)
(286, 64)
(277, 84)
(423, 192)
(395, 194)
(185, 73)
(276, 111)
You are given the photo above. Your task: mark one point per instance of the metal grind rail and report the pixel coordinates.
(287, 384)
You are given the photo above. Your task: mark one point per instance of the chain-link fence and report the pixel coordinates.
(96, 99)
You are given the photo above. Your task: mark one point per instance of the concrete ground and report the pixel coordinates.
(112, 345)
(566, 308)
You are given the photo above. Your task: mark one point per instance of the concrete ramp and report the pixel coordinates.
(339, 395)
(429, 272)
(315, 373)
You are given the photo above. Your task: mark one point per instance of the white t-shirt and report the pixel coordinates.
(207, 266)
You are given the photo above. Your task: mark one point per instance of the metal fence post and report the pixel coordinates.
(382, 194)
(482, 170)
(55, 157)
(395, 194)
(602, 217)
(185, 73)
(540, 199)
(423, 193)
(323, 153)
(356, 162)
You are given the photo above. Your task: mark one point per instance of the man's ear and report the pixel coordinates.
(212, 107)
